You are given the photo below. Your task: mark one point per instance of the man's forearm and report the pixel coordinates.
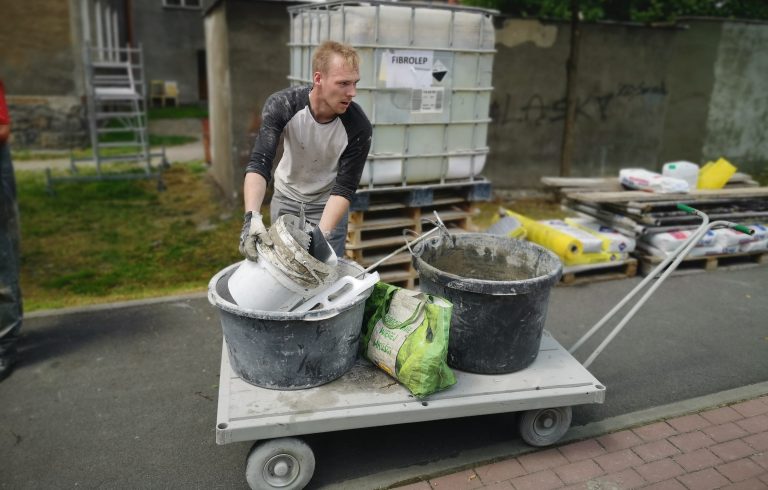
(335, 209)
(254, 189)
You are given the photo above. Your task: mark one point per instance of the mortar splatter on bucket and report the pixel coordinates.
(290, 350)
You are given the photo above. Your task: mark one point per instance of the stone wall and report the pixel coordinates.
(56, 122)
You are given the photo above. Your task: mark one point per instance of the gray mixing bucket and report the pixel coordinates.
(289, 351)
(499, 288)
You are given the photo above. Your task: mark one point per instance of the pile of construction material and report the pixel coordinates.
(659, 226)
(588, 249)
(644, 205)
(641, 214)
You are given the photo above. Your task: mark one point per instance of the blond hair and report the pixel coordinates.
(321, 60)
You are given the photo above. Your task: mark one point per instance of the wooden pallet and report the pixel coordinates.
(585, 274)
(708, 263)
(377, 232)
(421, 195)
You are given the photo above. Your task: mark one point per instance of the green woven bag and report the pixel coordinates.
(405, 333)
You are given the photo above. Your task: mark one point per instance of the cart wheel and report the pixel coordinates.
(545, 426)
(286, 463)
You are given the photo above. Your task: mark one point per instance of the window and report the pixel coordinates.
(190, 4)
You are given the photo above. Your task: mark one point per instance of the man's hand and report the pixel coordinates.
(253, 232)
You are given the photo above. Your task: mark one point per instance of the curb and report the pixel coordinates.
(114, 305)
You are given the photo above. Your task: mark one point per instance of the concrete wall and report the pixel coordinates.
(691, 78)
(737, 122)
(255, 36)
(171, 38)
(220, 100)
(621, 100)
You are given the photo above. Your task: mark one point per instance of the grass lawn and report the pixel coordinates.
(180, 112)
(109, 241)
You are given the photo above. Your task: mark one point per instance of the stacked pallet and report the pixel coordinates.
(383, 220)
(643, 215)
(561, 186)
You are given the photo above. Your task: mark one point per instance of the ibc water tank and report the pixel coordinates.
(425, 82)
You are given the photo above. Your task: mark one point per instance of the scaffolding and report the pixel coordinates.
(116, 99)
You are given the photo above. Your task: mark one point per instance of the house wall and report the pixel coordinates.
(171, 39)
(38, 55)
(40, 63)
(257, 65)
(220, 100)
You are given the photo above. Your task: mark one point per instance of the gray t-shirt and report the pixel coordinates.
(319, 160)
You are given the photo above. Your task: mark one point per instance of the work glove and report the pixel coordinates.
(319, 247)
(253, 232)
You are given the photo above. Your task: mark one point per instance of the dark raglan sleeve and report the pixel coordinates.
(279, 108)
(352, 161)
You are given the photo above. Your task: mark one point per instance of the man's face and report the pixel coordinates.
(337, 87)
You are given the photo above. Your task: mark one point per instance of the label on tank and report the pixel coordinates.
(427, 100)
(439, 71)
(406, 68)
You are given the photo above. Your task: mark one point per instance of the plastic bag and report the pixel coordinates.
(644, 180)
(405, 333)
(613, 240)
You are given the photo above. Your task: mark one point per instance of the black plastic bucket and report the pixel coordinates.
(499, 288)
(287, 350)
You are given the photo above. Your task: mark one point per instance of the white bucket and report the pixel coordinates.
(261, 286)
(285, 273)
(686, 171)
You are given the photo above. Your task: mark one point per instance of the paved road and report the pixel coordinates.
(188, 152)
(126, 396)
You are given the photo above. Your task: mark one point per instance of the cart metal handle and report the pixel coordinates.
(674, 258)
(440, 226)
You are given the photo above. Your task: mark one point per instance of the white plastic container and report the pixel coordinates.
(687, 171)
(430, 120)
(285, 274)
(258, 285)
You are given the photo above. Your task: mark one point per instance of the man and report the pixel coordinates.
(10, 293)
(326, 143)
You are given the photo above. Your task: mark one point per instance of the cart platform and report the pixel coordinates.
(368, 397)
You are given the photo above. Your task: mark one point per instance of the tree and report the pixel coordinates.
(628, 10)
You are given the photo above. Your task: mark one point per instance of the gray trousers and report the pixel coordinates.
(10, 293)
(281, 205)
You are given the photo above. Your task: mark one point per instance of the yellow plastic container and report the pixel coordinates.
(714, 175)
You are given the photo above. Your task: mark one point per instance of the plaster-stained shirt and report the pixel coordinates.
(319, 159)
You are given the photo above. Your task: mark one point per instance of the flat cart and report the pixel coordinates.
(368, 397)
